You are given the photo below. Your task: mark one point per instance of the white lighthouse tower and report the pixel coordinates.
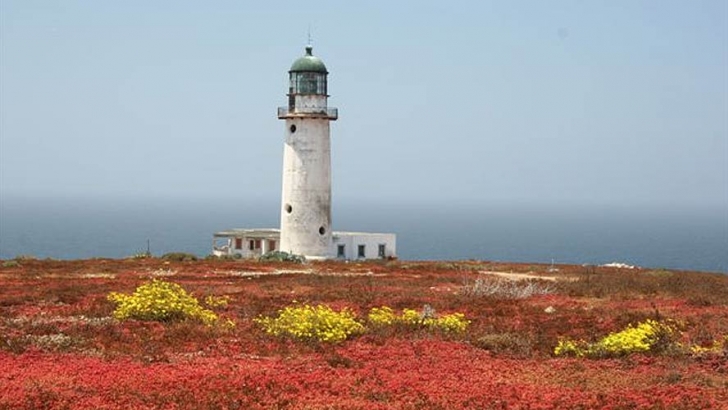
(306, 197)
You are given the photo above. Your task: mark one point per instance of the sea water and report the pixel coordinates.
(70, 228)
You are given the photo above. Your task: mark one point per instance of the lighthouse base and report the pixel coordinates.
(254, 243)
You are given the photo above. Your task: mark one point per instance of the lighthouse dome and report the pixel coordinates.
(309, 63)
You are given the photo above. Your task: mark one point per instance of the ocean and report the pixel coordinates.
(654, 238)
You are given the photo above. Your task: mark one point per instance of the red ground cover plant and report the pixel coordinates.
(60, 347)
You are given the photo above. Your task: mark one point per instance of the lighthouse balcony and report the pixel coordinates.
(328, 113)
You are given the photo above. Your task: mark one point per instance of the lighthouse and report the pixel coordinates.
(306, 196)
(305, 208)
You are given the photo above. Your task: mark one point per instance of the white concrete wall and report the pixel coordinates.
(310, 103)
(306, 194)
(371, 242)
(351, 241)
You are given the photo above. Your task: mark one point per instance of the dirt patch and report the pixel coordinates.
(526, 276)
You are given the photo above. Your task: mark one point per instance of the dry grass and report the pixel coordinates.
(506, 289)
(696, 287)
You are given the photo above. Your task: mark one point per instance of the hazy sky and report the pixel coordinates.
(468, 102)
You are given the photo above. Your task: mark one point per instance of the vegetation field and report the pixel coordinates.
(170, 333)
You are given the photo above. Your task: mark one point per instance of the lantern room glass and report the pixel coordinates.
(307, 83)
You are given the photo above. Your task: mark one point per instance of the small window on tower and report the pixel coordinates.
(361, 251)
(293, 128)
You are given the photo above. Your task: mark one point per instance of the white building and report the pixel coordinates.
(361, 245)
(253, 243)
(247, 243)
(306, 227)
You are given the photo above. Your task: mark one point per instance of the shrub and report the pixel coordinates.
(278, 256)
(141, 255)
(11, 264)
(412, 317)
(648, 336)
(21, 258)
(160, 301)
(179, 257)
(568, 347)
(217, 301)
(718, 347)
(320, 323)
(452, 323)
(385, 316)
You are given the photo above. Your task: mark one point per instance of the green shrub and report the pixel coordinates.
(21, 258)
(179, 257)
(11, 264)
(648, 336)
(279, 256)
(160, 301)
(320, 323)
